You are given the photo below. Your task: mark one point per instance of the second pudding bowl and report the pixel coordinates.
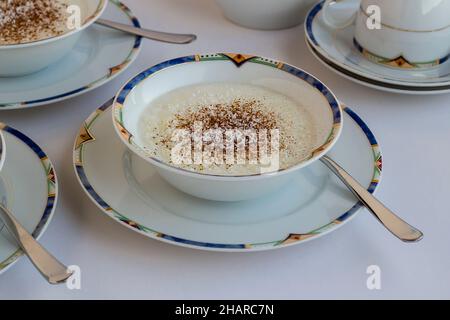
(20, 59)
(138, 94)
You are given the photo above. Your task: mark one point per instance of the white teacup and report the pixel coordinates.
(266, 14)
(406, 34)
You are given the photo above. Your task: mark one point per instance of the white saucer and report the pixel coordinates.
(28, 187)
(335, 48)
(99, 56)
(129, 191)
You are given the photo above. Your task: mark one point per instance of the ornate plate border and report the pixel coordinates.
(85, 136)
(52, 188)
(373, 83)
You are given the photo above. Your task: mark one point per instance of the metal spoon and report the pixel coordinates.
(392, 222)
(50, 268)
(149, 34)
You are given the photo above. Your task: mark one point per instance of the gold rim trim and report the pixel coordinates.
(403, 29)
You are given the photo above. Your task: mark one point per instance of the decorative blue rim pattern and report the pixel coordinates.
(238, 59)
(85, 136)
(309, 21)
(114, 71)
(52, 188)
(398, 62)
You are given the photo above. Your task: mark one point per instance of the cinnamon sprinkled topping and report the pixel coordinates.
(227, 129)
(24, 21)
(240, 115)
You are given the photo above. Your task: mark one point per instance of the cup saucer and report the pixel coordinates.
(336, 49)
(88, 66)
(129, 191)
(27, 174)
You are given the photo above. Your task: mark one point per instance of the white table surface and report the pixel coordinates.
(117, 263)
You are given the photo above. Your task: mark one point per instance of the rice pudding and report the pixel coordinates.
(23, 21)
(225, 108)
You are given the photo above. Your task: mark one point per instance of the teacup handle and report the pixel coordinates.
(332, 22)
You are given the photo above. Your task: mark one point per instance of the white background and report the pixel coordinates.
(414, 134)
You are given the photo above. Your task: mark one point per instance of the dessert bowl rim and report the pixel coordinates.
(125, 136)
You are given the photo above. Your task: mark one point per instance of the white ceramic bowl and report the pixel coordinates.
(26, 58)
(132, 100)
(266, 14)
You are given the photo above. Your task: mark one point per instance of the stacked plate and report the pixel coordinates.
(28, 181)
(335, 48)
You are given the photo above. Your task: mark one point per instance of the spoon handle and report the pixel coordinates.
(149, 34)
(392, 222)
(52, 270)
